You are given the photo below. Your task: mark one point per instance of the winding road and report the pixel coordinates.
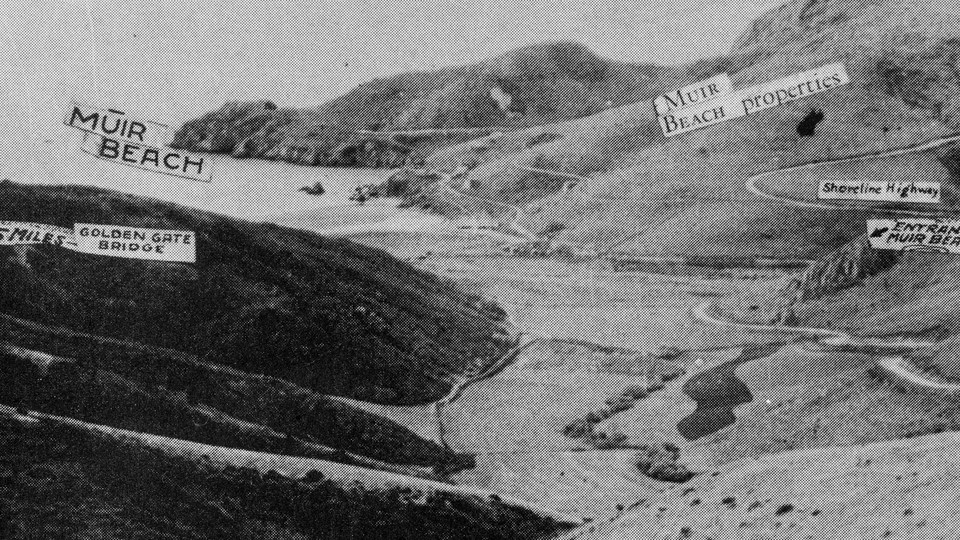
(751, 182)
(896, 365)
(428, 132)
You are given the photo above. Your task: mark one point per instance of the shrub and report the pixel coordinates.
(661, 463)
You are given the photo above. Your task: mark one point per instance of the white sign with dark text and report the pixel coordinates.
(878, 190)
(136, 243)
(115, 124)
(161, 160)
(754, 99)
(693, 94)
(914, 234)
(15, 233)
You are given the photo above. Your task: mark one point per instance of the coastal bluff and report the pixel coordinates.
(534, 85)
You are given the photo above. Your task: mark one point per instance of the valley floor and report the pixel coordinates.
(514, 420)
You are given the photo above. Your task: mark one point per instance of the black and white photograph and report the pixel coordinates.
(502, 270)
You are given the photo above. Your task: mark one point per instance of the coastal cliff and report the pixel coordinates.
(535, 85)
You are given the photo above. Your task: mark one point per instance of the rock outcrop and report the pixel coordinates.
(842, 268)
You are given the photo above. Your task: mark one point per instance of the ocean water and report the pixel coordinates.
(255, 190)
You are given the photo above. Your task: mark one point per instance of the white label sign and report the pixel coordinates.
(876, 190)
(13, 233)
(754, 99)
(136, 243)
(116, 125)
(915, 234)
(698, 116)
(160, 160)
(693, 94)
(791, 88)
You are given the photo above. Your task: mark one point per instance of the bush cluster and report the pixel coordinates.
(661, 462)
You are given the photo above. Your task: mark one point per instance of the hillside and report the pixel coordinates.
(138, 387)
(534, 85)
(687, 194)
(62, 480)
(900, 489)
(879, 293)
(325, 314)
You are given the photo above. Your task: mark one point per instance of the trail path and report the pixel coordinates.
(562, 174)
(428, 132)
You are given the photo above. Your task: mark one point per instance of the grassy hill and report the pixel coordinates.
(534, 85)
(325, 314)
(686, 194)
(61, 481)
(899, 489)
(882, 293)
(138, 387)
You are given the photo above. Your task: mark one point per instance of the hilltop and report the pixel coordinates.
(535, 85)
(686, 195)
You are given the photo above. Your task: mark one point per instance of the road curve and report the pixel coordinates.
(704, 314)
(428, 132)
(897, 366)
(554, 173)
(901, 368)
(751, 182)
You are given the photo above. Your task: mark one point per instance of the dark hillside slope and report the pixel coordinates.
(534, 85)
(655, 195)
(59, 481)
(150, 389)
(326, 314)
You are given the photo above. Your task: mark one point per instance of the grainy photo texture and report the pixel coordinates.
(542, 270)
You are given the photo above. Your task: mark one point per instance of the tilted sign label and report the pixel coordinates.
(754, 99)
(13, 233)
(698, 116)
(915, 234)
(116, 125)
(806, 83)
(157, 159)
(693, 94)
(878, 190)
(136, 243)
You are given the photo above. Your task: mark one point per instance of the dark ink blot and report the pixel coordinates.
(809, 123)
